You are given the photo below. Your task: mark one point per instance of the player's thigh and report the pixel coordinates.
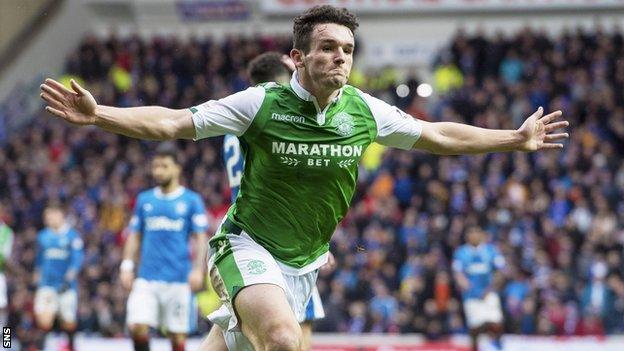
(68, 308)
(142, 307)
(476, 312)
(46, 307)
(178, 306)
(214, 341)
(236, 261)
(265, 315)
(495, 311)
(306, 332)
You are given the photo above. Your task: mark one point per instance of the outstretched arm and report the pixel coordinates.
(536, 133)
(79, 107)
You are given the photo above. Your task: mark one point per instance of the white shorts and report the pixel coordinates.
(162, 304)
(481, 311)
(241, 262)
(48, 300)
(3, 291)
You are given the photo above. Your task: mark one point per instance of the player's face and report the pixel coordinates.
(475, 237)
(329, 60)
(164, 170)
(53, 217)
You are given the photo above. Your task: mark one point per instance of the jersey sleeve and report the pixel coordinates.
(199, 220)
(231, 115)
(137, 220)
(395, 128)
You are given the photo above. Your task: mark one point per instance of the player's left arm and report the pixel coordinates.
(396, 128)
(199, 225)
(498, 266)
(196, 278)
(77, 258)
(536, 133)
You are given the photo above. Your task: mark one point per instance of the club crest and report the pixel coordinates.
(344, 124)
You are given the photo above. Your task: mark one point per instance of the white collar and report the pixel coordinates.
(170, 196)
(304, 94)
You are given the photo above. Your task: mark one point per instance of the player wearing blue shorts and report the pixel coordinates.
(59, 258)
(475, 265)
(270, 67)
(165, 219)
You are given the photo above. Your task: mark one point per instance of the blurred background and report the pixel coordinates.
(557, 217)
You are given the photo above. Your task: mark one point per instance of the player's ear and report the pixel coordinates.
(297, 56)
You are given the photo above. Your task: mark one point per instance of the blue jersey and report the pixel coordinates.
(166, 222)
(233, 159)
(57, 253)
(478, 264)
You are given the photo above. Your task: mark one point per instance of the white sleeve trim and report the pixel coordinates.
(231, 115)
(395, 128)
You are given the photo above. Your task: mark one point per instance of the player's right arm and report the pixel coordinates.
(130, 253)
(131, 248)
(39, 252)
(458, 271)
(149, 122)
(232, 114)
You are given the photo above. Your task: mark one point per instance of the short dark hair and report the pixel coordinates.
(266, 68)
(304, 23)
(167, 149)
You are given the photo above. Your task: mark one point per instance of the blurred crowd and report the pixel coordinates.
(556, 216)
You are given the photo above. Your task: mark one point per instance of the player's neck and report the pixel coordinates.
(325, 98)
(169, 188)
(322, 95)
(59, 228)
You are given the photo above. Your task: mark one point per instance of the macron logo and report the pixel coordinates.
(287, 118)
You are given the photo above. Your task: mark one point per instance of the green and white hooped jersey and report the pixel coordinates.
(301, 163)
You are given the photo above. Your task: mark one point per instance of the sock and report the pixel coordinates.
(70, 339)
(40, 340)
(141, 343)
(178, 346)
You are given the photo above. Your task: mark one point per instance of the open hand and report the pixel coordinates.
(538, 132)
(76, 107)
(127, 278)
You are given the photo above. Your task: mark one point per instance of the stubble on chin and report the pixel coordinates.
(337, 82)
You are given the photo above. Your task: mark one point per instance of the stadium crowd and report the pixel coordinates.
(556, 216)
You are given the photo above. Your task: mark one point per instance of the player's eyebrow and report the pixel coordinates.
(334, 41)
